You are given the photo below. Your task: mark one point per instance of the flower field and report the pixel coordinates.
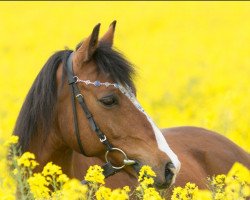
(52, 184)
(192, 61)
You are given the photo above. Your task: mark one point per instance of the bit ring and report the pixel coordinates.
(119, 150)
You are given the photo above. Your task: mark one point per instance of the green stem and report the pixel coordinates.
(18, 177)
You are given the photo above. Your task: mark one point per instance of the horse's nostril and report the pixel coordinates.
(169, 173)
(169, 176)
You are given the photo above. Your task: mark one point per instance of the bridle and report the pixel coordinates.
(108, 168)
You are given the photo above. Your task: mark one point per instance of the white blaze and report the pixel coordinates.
(161, 142)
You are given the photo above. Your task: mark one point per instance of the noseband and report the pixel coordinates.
(108, 167)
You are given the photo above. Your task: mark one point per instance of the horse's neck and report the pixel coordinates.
(52, 150)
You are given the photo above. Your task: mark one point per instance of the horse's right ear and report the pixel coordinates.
(88, 47)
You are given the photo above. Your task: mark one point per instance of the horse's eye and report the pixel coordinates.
(109, 101)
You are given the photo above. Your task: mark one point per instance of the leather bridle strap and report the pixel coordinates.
(76, 131)
(77, 94)
(108, 169)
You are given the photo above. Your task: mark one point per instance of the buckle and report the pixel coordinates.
(76, 79)
(79, 95)
(103, 139)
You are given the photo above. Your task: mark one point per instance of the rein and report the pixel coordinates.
(108, 168)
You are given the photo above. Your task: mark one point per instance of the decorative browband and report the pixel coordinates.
(96, 83)
(127, 91)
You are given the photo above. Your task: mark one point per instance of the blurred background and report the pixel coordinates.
(192, 58)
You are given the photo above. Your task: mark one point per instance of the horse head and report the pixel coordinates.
(103, 78)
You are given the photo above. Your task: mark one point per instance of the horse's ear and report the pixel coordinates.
(88, 46)
(108, 37)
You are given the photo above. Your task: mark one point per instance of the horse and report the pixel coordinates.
(83, 102)
(82, 110)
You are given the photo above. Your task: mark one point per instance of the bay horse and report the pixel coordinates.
(82, 110)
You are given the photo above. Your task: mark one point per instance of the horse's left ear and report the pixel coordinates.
(108, 37)
(88, 46)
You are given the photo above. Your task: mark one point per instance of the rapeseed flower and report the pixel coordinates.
(27, 160)
(126, 189)
(233, 186)
(203, 195)
(62, 178)
(12, 140)
(177, 193)
(39, 186)
(120, 194)
(146, 171)
(238, 182)
(103, 193)
(217, 186)
(74, 190)
(51, 169)
(238, 172)
(151, 194)
(95, 175)
(189, 192)
(145, 190)
(145, 179)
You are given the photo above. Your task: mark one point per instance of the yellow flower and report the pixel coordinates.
(146, 171)
(177, 193)
(12, 140)
(119, 194)
(126, 189)
(237, 182)
(74, 190)
(220, 196)
(62, 178)
(144, 190)
(220, 179)
(103, 193)
(191, 187)
(39, 186)
(6, 196)
(95, 175)
(51, 169)
(203, 195)
(246, 191)
(27, 160)
(147, 182)
(189, 192)
(239, 172)
(151, 194)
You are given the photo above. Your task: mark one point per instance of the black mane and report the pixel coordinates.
(36, 112)
(110, 61)
(38, 108)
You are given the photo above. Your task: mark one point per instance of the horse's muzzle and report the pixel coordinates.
(169, 176)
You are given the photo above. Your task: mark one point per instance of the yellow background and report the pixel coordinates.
(192, 58)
